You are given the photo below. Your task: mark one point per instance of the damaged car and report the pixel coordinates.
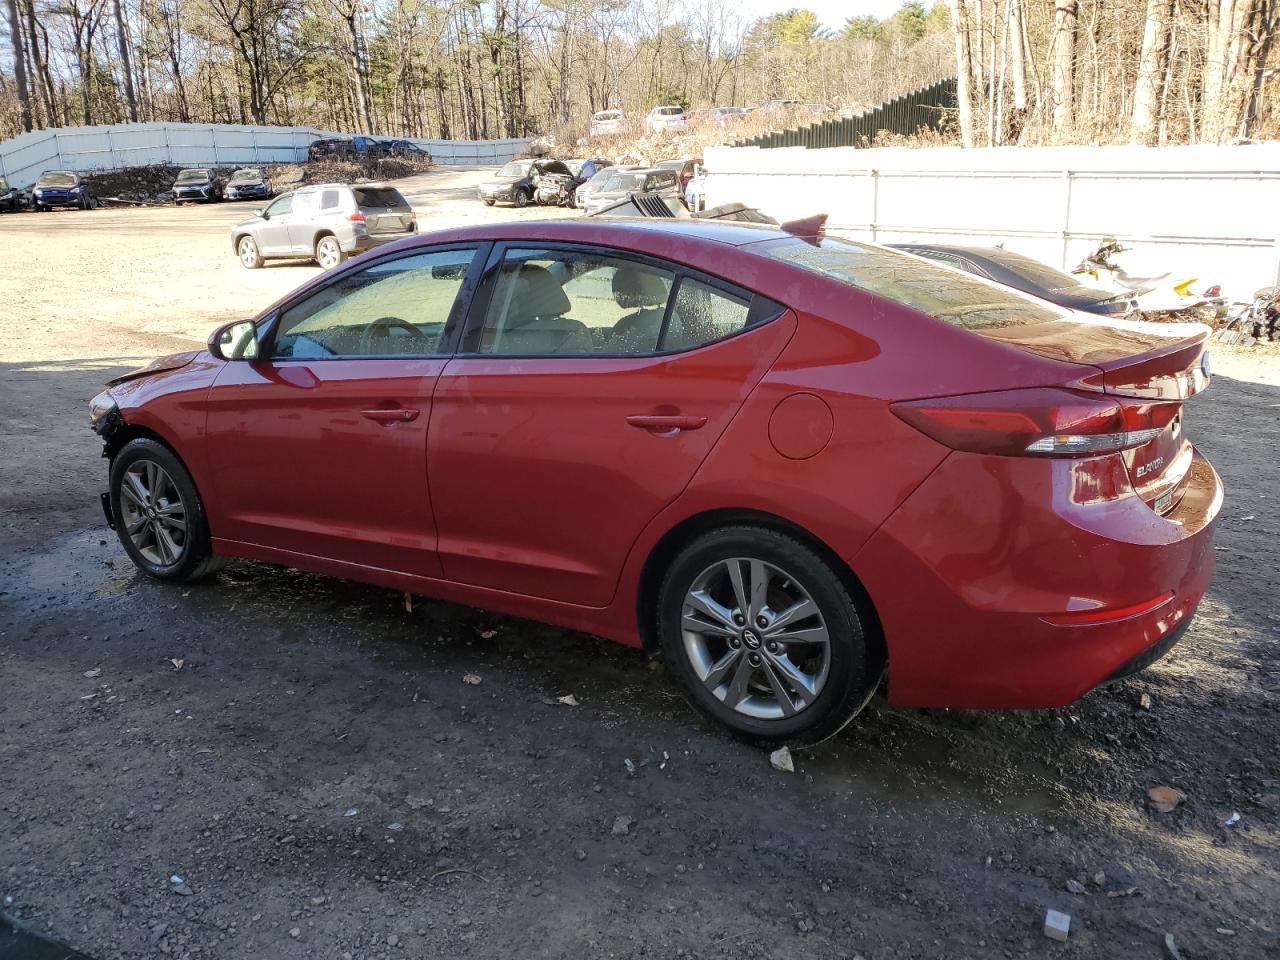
(249, 183)
(517, 182)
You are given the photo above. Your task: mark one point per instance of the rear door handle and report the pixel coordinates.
(665, 425)
(394, 415)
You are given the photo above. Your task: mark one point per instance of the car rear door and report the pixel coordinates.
(319, 448)
(591, 387)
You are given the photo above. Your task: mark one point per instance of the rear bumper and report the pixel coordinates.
(1008, 582)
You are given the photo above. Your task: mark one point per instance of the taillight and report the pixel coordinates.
(357, 217)
(1041, 421)
(1214, 291)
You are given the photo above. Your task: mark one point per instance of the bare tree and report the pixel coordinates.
(19, 69)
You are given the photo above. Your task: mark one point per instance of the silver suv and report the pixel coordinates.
(327, 223)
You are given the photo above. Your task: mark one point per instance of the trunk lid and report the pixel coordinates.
(1155, 367)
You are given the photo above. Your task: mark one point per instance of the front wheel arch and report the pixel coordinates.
(691, 528)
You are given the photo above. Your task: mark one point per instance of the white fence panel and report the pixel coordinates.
(112, 147)
(1204, 212)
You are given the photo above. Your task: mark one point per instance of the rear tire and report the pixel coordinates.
(158, 513)
(769, 677)
(329, 252)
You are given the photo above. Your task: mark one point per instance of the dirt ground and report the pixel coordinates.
(304, 755)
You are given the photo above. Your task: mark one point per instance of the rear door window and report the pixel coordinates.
(955, 298)
(379, 197)
(329, 200)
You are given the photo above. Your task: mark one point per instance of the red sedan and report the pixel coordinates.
(793, 465)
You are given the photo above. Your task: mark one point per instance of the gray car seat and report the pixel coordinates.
(636, 287)
(536, 324)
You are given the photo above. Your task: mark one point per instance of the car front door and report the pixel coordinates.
(318, 448)
(273, 231)
(591, 387)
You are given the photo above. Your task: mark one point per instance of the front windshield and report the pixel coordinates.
(241, 176)
(516, 169)
(957, 298)
(56, 180)
(190, 176)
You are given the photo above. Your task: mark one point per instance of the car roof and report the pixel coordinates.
(371, 185)
(623, 231)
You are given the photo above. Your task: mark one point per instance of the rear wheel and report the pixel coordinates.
(765, 636)
(249, 254)
(158, 513)
(328, 252)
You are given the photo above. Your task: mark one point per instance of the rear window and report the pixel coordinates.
(379, 197)
(1037, 272)
(956, 298)
(608, 115)
(670, 111)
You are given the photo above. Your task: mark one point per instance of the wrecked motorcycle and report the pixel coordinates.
(1155, 297)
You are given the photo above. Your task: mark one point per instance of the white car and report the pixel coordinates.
(667, 119)
(605, 122)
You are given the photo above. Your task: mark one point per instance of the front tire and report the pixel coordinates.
(765, 636)
(488, 202)
(521, 197)
(249, 254)
(158, 513)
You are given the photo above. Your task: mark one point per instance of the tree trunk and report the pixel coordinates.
(1064, 61)
(126, 62)
(960, 29)
(1151, 72)
(19, 68)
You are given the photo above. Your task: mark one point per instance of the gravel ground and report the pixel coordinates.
(305, 756)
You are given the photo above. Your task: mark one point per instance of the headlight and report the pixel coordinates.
(101, 407)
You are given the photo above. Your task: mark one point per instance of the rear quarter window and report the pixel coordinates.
(956, 298)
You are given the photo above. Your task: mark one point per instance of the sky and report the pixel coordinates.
(832, 13)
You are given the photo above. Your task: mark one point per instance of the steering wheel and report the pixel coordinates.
(381, 328)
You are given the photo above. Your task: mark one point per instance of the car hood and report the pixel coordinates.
(174, 361)
(251, 222)
(501, 181)
(241, 184)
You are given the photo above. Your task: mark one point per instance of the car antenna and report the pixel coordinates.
(810, 229)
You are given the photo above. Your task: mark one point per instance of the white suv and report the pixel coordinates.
(326, 223)
(667, 119)
(606, 122)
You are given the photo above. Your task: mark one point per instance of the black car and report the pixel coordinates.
(197, 184)
(517, 181)
(1023, 273)
(10, 198)
(331, 148)
(60, 188)
(407, 148)
(248, 183)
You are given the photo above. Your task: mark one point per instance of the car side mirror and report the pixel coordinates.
(237, 340)
(262, 213)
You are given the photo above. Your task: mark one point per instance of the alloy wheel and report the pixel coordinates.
(755, 638)
(328, 253)
(248, 252)
(153, 514)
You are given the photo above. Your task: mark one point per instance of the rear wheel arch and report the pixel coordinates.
(691, 528)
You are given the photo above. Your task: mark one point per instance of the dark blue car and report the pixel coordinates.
(60, 188)
(249, 183)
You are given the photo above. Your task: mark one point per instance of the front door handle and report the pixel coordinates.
(665, 426)
(394, 415)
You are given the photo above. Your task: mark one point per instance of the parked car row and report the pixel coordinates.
(364, 148)
(204, 185)
(673, 118)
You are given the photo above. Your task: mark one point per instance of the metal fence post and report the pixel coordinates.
(874, 174)
(1066, 215)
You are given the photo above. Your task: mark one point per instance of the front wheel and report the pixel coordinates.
(521, 197)
(328, 252)
(249, 254)
(488, 202)
(158, 513)
(766, 637)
